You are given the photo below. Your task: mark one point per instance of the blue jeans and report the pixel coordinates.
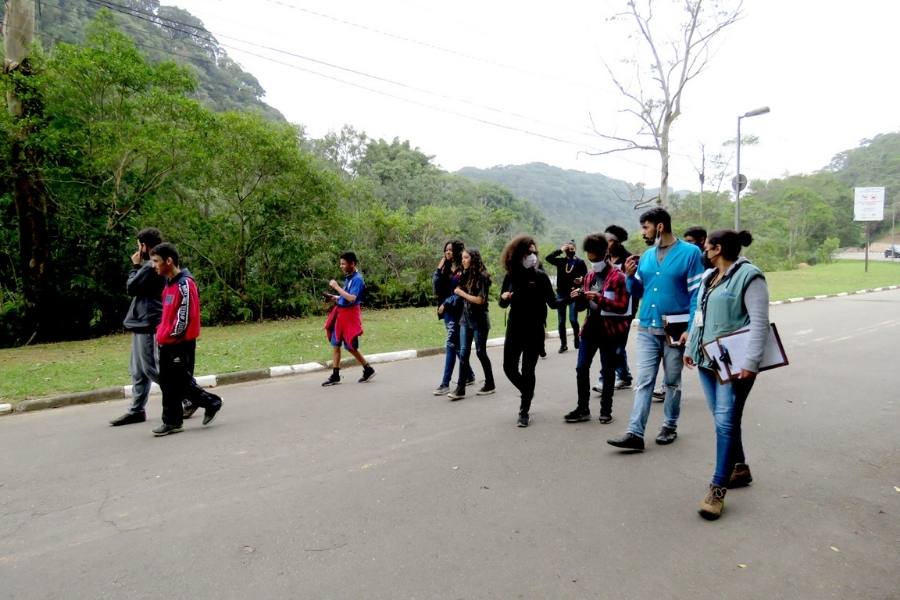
(573, 320)
(478, 332)
(652, 349)
(726, 402)
(451, 350)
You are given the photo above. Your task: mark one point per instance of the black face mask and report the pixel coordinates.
(570, 253)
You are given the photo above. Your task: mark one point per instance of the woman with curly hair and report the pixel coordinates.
(527, 292)
(474, 324)
(444, 280)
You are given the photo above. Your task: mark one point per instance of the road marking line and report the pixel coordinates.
(842, 339)
(805, 331)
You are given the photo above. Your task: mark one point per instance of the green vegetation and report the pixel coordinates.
(117, 141)
(48, 369)
(573, 202)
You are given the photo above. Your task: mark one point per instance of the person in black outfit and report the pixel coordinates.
(616, 236)
(570, 271)
(474, 325)
(527, 291)
(145, 287)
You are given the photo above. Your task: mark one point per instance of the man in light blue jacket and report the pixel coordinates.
(666, 279)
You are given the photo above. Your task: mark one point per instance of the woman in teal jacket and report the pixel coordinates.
(733, 295)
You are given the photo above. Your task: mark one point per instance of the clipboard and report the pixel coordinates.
(727, 351)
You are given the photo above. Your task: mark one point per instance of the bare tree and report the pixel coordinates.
(654, 98)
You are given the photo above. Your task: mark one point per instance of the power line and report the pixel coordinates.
(428, 45)
(136, 13)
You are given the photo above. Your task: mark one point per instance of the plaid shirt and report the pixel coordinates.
(613, 298)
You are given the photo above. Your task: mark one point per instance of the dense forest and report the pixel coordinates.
(119, 140)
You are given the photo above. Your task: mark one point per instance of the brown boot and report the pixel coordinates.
(740, 477)
(712, 505)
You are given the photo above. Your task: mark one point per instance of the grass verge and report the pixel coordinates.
(49, 369)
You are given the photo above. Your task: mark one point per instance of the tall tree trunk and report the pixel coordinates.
(30, 195)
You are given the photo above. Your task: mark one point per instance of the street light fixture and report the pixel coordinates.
(739, 180)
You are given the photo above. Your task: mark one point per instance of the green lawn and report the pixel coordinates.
(49, 369)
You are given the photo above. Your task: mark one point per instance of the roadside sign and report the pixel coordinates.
(868, 204)
(739, 182)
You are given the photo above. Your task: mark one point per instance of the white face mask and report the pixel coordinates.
(599, 266)
(530, 261)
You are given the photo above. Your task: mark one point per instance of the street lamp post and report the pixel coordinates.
(737, 178)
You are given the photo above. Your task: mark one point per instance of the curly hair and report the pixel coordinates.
(476, 269)
(516, 249)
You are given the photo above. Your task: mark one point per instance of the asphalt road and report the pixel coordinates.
(381, 490)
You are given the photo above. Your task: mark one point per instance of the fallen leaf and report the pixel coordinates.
(455, 468)
(896, 489)
(741, 566)
(835, 549)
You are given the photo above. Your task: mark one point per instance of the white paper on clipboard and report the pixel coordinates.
(729, 352)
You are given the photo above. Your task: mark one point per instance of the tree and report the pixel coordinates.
(654, 98)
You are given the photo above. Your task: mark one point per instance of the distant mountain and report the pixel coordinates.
(161, 33)
(574, 203)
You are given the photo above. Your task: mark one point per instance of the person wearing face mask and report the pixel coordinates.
(617, 254)
(696, 235)
(606, 299)
(570, 270)
(733, 295)
(527, 291)
(666, 279)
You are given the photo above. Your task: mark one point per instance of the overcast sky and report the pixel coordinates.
(826, 69)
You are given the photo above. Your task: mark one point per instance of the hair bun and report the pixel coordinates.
(745, 238)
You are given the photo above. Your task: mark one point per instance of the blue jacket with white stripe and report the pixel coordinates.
(667, 288)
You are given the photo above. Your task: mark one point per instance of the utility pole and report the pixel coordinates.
(30, 197)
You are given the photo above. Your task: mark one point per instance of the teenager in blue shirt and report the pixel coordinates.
(666, 280)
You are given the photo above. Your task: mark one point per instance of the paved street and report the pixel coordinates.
(381, 490)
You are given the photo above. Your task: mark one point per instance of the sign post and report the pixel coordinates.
(868, 206)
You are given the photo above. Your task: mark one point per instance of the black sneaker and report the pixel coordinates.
(368, 374)
(189, 410)
(167, 429)
(523, 420)
(598, 389)
(129, 418)
(563, 349)
(210, 413)
(577, 416)
(624, 384)
(666, 435)
(605, 419)
(485, 391)
(629, 441)
(332, 380)
(471, 379)
(458, 394)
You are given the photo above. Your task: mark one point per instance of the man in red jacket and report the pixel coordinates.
(177, 335)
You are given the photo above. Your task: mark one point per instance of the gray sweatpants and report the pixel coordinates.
(144, 369)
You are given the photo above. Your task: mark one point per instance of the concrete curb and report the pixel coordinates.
(119, 393)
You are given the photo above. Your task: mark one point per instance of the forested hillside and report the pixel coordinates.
(574, 203)
(116, 141)
(161, 33)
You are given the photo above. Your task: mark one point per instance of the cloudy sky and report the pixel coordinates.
(480, 83)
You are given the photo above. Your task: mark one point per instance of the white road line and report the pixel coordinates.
(805, 331)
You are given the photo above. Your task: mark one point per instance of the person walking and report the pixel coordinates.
(344, 322)
(474, 325)
(444, 281)
(177, 334)
(666, 280)
(606, 299)
(526, 290)
(570, 271)
(733, 295)
(617, 254)
(145, 287)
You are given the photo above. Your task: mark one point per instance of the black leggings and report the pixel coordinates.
(515, 350)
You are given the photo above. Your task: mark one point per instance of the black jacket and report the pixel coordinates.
(532, 294)
(145, 287)
(565, 281)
